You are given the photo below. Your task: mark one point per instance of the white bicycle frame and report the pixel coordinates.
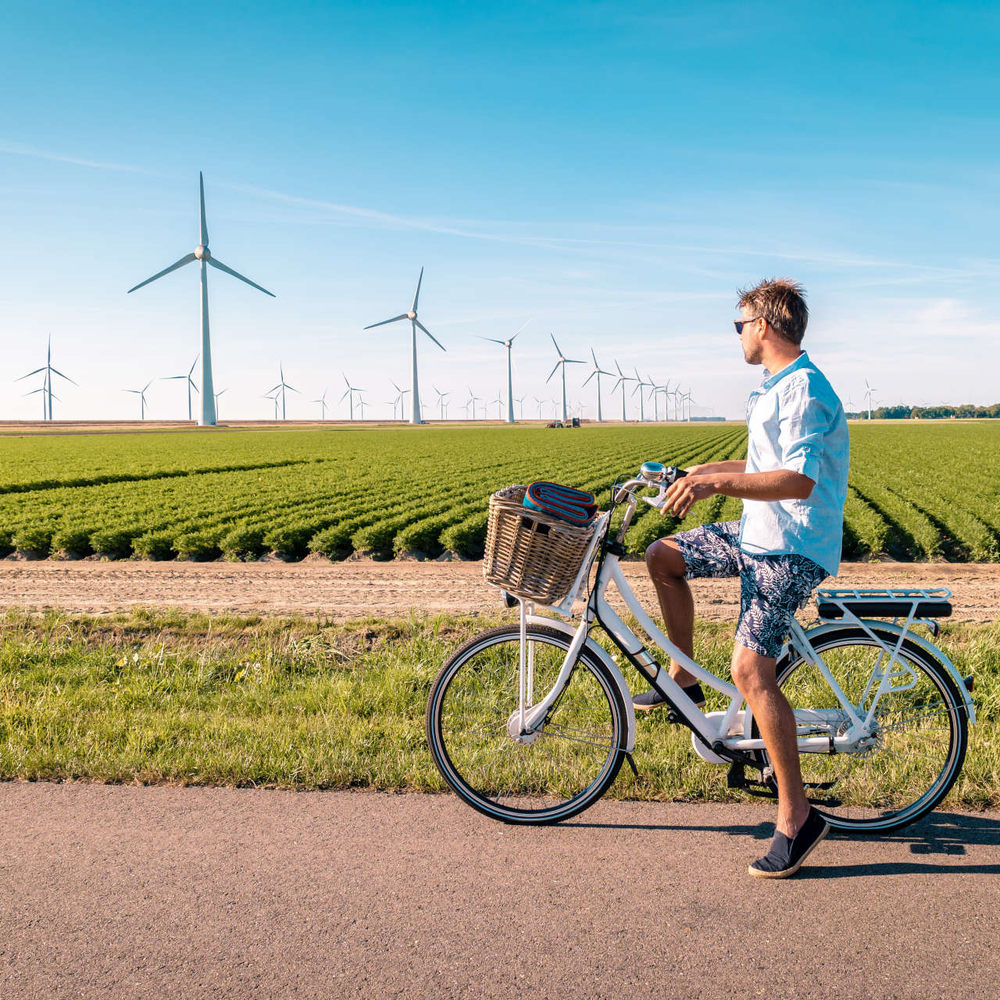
(731, 728)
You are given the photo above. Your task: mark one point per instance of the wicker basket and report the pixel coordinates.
(530, 554)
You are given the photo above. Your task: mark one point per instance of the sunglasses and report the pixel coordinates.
(740, 323)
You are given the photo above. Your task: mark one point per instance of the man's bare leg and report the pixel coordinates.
(754, 675)
(666, 568)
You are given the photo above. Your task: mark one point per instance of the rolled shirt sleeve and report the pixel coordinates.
(802, 424)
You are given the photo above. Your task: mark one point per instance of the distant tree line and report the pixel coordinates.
(904, 412)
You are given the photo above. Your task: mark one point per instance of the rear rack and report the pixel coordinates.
(912, 605)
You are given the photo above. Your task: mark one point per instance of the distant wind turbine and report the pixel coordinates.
(351, 390)
(639, 386)
(322, 403)
(539, 402)
(414, 323)
(280, 389)
(499, 402)
(562, 363)
(190, 383)
(141, 393)
(398, 401)
(520, 403)
(441, 395)
(46, 389)
(622, 379)
(217, 395)
(869, 394)
(510, 384)
(204, 255)
(597, 372)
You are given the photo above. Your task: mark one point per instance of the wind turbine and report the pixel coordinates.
(141, 393)
(473, 399)
(414, 323)
(562, 362)
(280, 388)
(274, 399)
(622, 379)
(520, 403)
(190, 384)
(400, 393)
(869, 393)
(639, 386)
(351, 390)
(204, 255)
(539, 402)
(440, 396)
(499, 402)
(46, 389)
(510, 383)
(362, 404)
(217, 395)
(322, 403)
(598, 371)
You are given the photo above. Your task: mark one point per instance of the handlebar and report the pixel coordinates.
(651, 475)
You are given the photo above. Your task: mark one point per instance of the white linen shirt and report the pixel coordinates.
(796, 421)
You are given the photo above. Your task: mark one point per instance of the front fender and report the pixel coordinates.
(599, 653)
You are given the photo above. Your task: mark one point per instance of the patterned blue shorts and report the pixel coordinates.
(772, 588)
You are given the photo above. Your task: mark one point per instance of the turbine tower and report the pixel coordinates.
(510, 383)
(204, 255)
(141, 393)
(622, 379)
(280, 389)
(562, 362)
(598, 371)
(414, 323)
(190, 384)
(46, 388)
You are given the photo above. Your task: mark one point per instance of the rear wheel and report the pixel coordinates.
(542, 776)
(917, 744)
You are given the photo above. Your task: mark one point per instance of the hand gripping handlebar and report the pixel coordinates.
(652, 475)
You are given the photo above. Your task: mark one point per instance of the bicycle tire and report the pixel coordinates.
(542, 787)
(864, 802)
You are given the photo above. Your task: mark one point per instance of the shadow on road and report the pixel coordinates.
(939, 833)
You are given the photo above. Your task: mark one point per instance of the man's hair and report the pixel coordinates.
(782, 303)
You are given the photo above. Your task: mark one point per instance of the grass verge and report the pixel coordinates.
(171, 697)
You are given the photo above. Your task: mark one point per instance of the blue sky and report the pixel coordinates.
(615, 171)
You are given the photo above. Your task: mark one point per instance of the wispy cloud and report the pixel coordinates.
(21, 149)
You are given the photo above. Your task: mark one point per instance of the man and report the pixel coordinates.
(793, 485)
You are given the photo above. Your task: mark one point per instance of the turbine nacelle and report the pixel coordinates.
(202, 253)
(411, 315)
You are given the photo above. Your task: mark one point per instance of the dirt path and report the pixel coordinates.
(356, 589)
(126, 892)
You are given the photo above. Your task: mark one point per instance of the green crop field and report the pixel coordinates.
(917, 491)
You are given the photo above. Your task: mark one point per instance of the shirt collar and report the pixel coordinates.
(772, 380)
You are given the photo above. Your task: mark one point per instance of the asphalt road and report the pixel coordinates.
(131, 892)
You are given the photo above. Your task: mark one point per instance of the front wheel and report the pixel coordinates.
(542, 776)
(916, 745)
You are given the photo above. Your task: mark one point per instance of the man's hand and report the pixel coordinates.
(684, 492)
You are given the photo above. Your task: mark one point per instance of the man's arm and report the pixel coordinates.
(736, 465)
(781, 484)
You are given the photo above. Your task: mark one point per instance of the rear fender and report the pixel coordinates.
(598, 653)
(894, 631)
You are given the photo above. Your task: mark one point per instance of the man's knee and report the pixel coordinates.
(751, 671)
(663, 558)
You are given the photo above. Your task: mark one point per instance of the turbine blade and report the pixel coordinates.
(35, 372)
(191, 369)
(186, 259)
(416, 294)
(492, 340)
(560, 353)
(523, 325)
(554, 370)
(429, 334)
(589, 377)
(170, 378)
(236, 274)
(204, 224)
(292, 387)
(383, 323)
(571, 361)
(33, 391)
(60, 374)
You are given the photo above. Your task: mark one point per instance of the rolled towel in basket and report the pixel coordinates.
(574, 506)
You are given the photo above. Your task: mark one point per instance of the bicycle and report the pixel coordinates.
(882, 714)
